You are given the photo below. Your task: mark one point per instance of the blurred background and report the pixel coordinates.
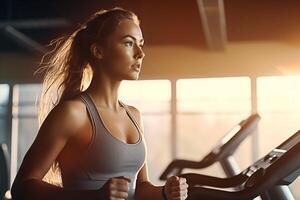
(209, 64)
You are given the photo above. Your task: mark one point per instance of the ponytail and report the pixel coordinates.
(66, 71)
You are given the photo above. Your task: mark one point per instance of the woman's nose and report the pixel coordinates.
(139, 53)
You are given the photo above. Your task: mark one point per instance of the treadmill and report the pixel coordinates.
(268, 177)
(222, 152)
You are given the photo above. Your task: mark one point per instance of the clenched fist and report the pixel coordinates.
(176, 188)
(116, 188)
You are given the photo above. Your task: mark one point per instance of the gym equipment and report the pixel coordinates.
(222, 152)
(268, 177)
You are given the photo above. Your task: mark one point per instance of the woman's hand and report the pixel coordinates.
(176, 188)
(116, 188)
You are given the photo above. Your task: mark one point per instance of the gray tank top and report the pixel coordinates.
(105, 158)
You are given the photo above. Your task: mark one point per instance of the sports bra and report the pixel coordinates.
(106, 156)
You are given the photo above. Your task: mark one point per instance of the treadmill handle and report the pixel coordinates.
(176, 166)
(211, 181)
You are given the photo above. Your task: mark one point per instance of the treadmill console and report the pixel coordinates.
(271, 157)
(264, 162)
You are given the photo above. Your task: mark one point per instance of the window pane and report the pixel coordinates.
(4, 97)
(147, 95)
(24, 117)
(214, 95)
(4, 94)
(152, 98)
(279, 106)
(208, 109)
(279, 94)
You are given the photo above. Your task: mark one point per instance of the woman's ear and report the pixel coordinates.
(96, 51)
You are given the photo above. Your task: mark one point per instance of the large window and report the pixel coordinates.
(208, 108)
(279, 105)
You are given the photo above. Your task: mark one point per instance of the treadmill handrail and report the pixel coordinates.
(268, 175)
(247, 127)
(196, 193)
(227, 149)
(176, 166)
(194, 179)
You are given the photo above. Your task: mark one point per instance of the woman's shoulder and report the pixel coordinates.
(63, 122)
(136, 114)
(67, 113)
(134, 111)
(72, 107)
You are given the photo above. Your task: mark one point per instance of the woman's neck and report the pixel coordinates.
(104, 92)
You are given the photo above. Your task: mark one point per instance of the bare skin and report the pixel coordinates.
(67, 130)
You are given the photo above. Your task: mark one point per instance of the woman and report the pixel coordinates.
(96, 140)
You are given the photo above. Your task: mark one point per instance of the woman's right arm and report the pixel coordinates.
(62, 123)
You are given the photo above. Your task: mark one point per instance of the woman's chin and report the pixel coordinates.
(133, 76)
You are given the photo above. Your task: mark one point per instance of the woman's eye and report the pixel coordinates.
(129, 44)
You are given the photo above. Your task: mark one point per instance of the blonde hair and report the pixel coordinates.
(68, 67)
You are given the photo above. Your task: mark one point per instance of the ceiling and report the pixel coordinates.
(168, 22)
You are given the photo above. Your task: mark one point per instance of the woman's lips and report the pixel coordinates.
(136, 67)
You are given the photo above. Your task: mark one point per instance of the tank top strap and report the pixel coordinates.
(131, 116)
(92, 111)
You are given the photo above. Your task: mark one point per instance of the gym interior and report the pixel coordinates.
(209, 66)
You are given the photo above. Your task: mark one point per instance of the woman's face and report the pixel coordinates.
(122, 55)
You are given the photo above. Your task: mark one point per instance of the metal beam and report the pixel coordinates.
(24, 40)
(212, 15)
(36, 23)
